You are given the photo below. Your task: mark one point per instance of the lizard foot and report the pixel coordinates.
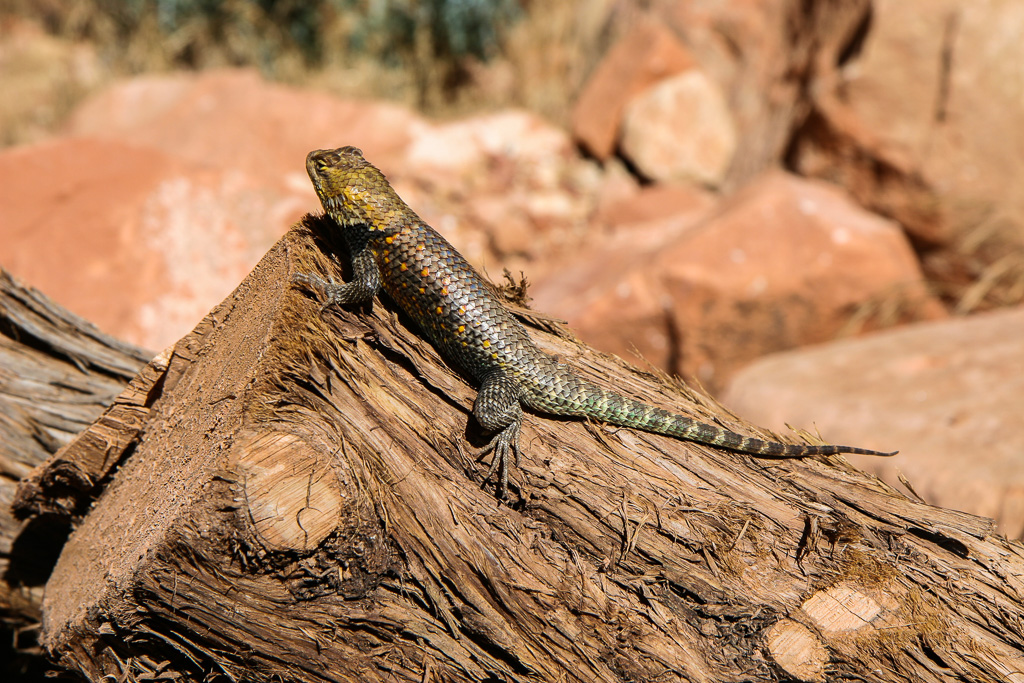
(335, 294)
(327, 289)
(503, 445)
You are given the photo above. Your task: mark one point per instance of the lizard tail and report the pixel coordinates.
(579, 398)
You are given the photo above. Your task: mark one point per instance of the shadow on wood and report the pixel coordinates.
(289, 493)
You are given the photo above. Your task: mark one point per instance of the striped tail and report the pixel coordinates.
(579, 398)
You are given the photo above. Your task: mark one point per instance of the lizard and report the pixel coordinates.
(393, 249)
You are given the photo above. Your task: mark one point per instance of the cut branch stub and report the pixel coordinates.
(292, 495)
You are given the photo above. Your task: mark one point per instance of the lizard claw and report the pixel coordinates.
(313, 281)
(326, 288)
(504, 444)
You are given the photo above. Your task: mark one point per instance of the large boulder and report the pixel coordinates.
(925, 122)
(680, 130)
(646, 54)
(168, 189)
(949, 395)
(783, 263)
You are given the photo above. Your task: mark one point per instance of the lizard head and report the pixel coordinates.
(352, 190)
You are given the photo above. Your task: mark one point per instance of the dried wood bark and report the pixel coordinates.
(58, 373)
(289, 493)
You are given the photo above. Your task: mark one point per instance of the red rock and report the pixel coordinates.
(925, 122)
(762, 53)
(784, 263)
(606, 289)
(680, 129)
(135, 240)
(490, 153)
(947, 394)
(233, 119)
(648, 53)
(612, 184)
(212, 174)
(656, 203)
(175, 188)
(496, 182)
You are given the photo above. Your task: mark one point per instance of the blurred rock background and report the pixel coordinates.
(710, 188)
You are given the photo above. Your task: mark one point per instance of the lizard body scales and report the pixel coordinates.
(393, 249)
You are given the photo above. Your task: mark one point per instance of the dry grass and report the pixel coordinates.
(41, 80)
(981, 267)
(993, 254)
(1000, 284)
(541, 64)
(548, 55)
(538, 56)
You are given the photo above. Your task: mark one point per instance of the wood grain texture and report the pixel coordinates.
(58, 374)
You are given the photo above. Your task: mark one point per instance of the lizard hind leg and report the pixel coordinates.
(497, 409)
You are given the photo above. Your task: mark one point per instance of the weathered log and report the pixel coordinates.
(58, 373)
(289, 493)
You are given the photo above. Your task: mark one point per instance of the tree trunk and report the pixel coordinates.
(290, 494)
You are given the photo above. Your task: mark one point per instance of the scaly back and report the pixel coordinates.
(421, 270)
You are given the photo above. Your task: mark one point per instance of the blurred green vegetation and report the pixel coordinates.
(445, 57)
(255, 31)
(427, 52)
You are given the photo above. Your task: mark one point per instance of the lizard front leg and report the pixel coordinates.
(497, 409)
(365, 283)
